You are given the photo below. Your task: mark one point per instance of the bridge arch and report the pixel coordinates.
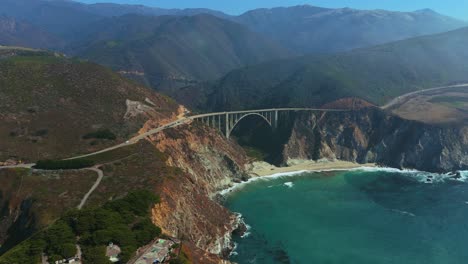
(244, 116)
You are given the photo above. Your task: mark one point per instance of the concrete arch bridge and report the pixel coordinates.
(227, 121)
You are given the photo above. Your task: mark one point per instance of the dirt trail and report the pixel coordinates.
(95, 185)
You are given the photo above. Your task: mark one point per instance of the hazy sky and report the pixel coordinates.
(456, 8)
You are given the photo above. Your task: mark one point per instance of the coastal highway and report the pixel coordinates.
(403, 98)
(180, 121)
(135, 139)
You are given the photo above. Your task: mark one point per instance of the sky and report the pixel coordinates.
(455, 8)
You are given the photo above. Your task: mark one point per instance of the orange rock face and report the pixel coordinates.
(188, 208)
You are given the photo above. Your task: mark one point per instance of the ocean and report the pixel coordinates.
(354, 217)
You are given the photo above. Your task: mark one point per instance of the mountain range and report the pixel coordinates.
(77, 79)
(172, 48)
(172, 51)
(376, 74)
(309, 29)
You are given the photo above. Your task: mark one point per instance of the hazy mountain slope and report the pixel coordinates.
(376, 74)
(63, 18)
(167, 52)
(68, 19)
(110, 10)
(311, 29)
(18, 33)
(49, 103)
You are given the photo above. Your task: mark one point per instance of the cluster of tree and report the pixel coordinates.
(101, 134)
(124, 222)
(64, 164)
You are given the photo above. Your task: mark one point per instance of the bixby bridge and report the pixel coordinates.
(224, 121)
(227, 121)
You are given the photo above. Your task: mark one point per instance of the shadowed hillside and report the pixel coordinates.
(19, 33)
(167, 52)
(375, 74)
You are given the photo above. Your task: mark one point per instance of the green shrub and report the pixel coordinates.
(101, 134)
(64, 164)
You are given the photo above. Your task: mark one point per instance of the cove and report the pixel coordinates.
(359, 216)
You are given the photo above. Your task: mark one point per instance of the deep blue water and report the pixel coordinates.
(353, 217)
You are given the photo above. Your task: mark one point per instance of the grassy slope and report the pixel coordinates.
(50, 194)
(376, 74)
(177, 49)
(47, 103)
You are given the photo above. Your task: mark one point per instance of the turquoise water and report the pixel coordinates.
(354, 217)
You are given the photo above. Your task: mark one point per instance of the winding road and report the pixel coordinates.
(402, 98)
(93, 188)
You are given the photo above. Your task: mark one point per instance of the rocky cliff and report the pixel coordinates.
(371, 135)
(188, 208)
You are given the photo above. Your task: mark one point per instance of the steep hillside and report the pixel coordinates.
(371, 135)
(310, 29)
(168, 52)
(51, 106)
(18, 33)
(376, 74)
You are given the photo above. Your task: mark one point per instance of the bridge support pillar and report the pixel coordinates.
(275, 122)
(227, 125)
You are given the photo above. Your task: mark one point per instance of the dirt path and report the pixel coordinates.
(95, 185)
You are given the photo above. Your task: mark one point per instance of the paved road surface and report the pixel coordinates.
(403, 98)
(27, 166)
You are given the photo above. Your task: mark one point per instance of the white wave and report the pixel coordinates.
(247, 232)
(289, 184)
(238, 186)
(233, 251)
(403, 212)
(422, 176)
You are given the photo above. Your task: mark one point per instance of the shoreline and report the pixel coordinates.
(262, 169)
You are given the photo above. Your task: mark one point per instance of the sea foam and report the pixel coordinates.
(421, 176)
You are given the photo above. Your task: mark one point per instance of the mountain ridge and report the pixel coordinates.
(172, 51)
(376, 74)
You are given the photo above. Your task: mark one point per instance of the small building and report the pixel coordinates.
(156, 253)
(113, 252)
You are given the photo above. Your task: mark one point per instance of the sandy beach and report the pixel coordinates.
(258, 169)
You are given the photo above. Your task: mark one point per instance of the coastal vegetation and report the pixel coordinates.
(101, 134)
(124, 222)
(64, 164)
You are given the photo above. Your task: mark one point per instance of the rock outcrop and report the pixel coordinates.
(371, 135)
(189, 209)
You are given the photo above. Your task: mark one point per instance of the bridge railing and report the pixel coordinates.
(266, 110)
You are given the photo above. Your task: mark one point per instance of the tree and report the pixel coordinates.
(95, 255)
(68, 250)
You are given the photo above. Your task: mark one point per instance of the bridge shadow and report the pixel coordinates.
(260, 140)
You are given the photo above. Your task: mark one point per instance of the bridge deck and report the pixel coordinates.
(266, 110)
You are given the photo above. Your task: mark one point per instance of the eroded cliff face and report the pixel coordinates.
(371, 135)
(188, 207)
